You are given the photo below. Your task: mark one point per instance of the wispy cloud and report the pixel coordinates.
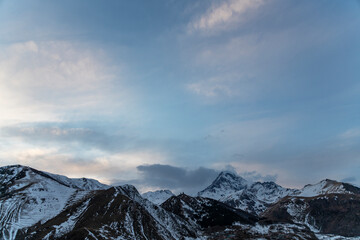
(93, 164)
(220, 17)
(212, 88)
(60, 133)
(351, 133)
(42, 81)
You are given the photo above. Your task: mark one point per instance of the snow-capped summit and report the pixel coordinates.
(327, 186)
(226, 183)
(28, 196)
(237, 192)
(15, 172)
(158, 197)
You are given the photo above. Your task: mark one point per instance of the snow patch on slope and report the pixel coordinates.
(158, 197)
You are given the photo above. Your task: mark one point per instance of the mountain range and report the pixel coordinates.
(40, 205)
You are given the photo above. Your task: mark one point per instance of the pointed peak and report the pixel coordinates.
(225, 183)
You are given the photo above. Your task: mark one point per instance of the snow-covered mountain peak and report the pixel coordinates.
(327, 186)
(130, 191)
(16, 172)
(158, 197)
(226, 183)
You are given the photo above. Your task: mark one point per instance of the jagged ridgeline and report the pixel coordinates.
(40, 205)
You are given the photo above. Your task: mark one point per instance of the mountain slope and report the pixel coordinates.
(257, 197)
(28, 196)
(206, 212)
(329, 214)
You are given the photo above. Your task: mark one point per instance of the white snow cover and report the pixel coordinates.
(234, 190)
(79, 183)
(158, 197)
(323, 187)
(224, 185)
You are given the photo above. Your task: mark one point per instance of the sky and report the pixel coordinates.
(165, 94)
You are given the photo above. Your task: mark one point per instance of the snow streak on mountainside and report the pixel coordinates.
(158, 197)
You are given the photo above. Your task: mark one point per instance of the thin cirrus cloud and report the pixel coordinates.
(220, 17)
(92, 164)
(53, 133)
(42, 81)
(351, 133)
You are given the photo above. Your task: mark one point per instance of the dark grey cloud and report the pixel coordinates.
(257, 177)
(176, 178)
(111, 138)
(86, 136)
(349, 179)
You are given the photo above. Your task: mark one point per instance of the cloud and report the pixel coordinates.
(254, 176)
(92, 164)
(349, 179)
(228, 12)
(351, 133)
(254, 135)
(43, 81)
(211, 88)
(55, 133)
(176, 178)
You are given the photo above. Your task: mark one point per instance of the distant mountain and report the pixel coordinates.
(319, 206)
(158, 197)
(257, 197)
(39, 205)
(235, 191)
(225, 184)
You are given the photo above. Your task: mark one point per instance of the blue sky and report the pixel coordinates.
(124, 91)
